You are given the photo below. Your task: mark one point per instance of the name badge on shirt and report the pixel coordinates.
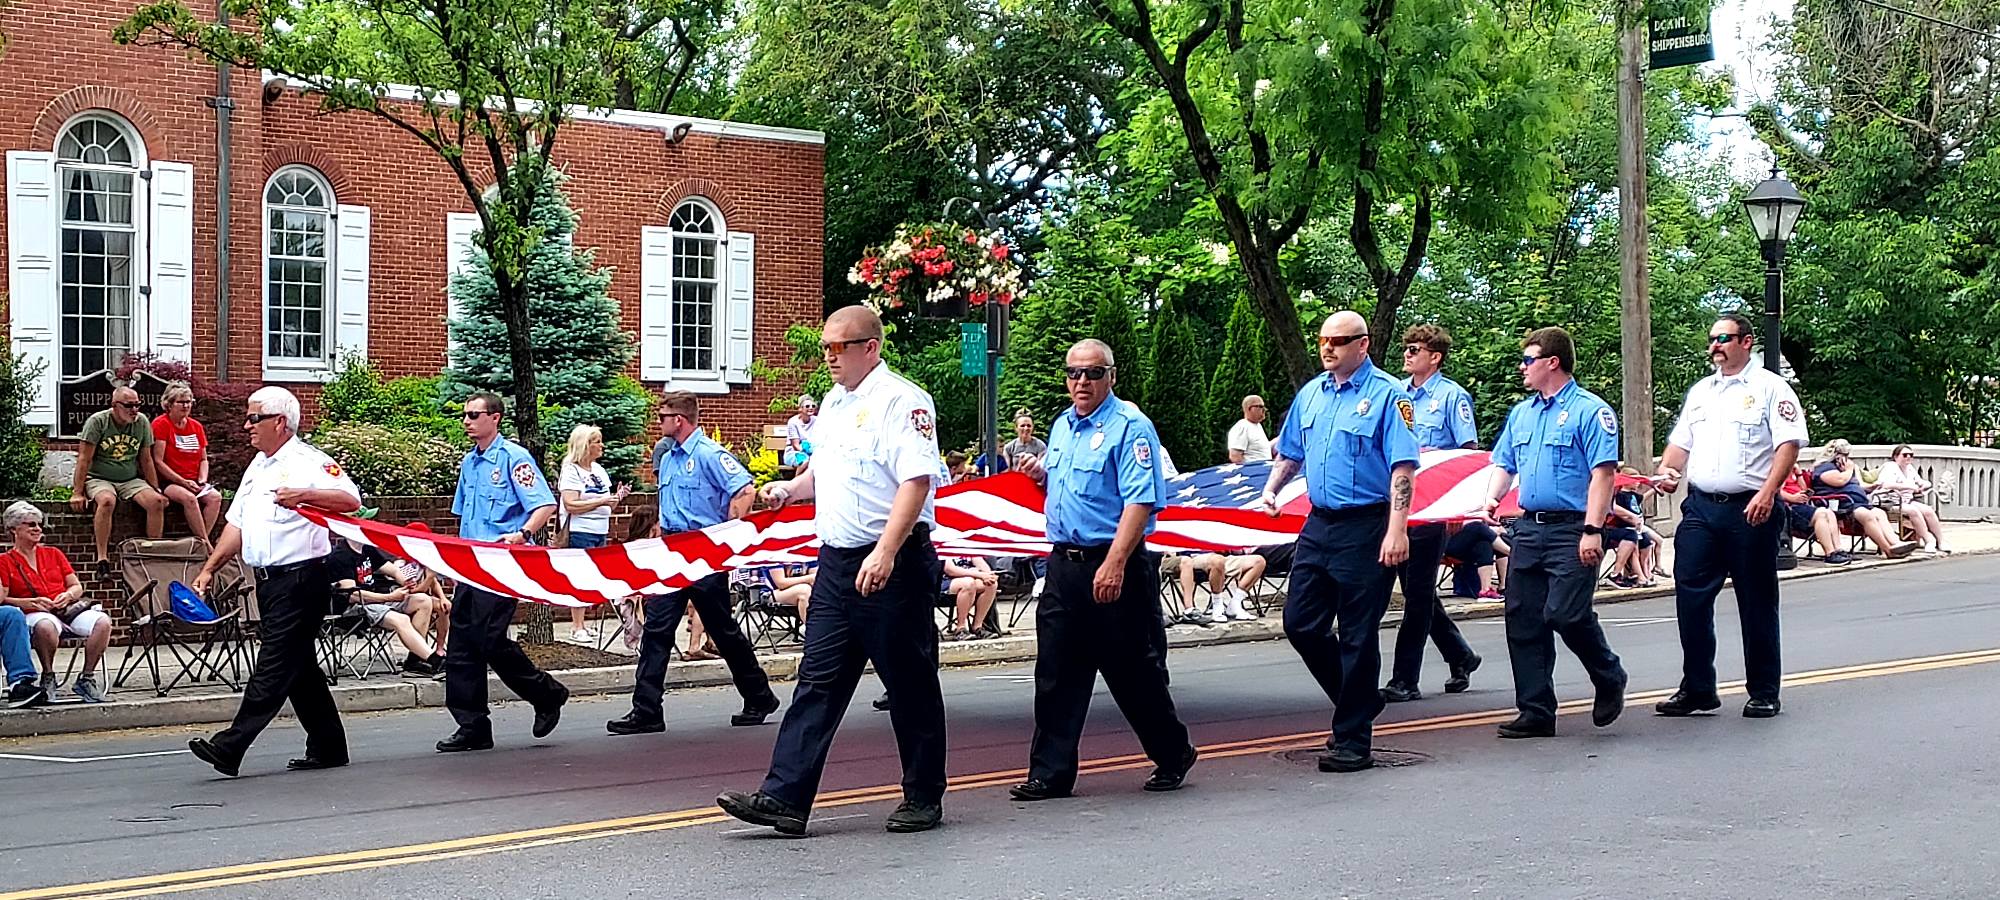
(1361, 409)
(1562, 419)
(1097, 440)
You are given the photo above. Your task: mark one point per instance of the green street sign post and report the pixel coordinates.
(972, 349)
(1678, 41)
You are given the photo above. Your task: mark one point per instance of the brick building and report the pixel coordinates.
(339, 232)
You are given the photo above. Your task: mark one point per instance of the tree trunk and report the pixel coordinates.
(1268, 290)
(527, 406)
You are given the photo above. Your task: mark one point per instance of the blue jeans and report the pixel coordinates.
(583, 541)
(14, 649)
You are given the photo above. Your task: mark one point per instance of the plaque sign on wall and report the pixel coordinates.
(78, 399)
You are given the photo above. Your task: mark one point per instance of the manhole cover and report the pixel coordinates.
(146, 820)
(196, 806)
(1385, 757)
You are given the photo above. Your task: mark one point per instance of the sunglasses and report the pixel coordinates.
(838, 347)
(1092, 373)
(126, 405)
(1338, 340)
(254, 419)
(1527, 360)
(471, 414)
(1722, 338)
(1413, 349)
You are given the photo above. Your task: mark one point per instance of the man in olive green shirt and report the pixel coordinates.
(114, 462)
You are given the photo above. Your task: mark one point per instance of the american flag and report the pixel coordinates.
(1211, 509)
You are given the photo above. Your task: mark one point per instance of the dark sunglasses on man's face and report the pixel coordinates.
(255, 419)
(1527, 360)
(122, 404)
(471, 414)
(1093, 373)
(1413, 349)
(1722, 338)
(1338, 340)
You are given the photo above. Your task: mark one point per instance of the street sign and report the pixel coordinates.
(972, 349)
(1678, 41)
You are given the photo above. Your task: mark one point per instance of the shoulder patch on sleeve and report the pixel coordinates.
(1142, 452)
(729, 464)
(1465, 410)
(921, 420)
(525, 475)
(1788, 410)
(1408, 411)
(1607, 420)
(332, 468)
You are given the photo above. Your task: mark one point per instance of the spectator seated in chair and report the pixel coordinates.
(24, 689)
(974, 584)
(1634, 545)
(38, 580)
(114, 462)
(1807, 519)
(1836, 483)
(1897, 487)
(383, 600)
(1231, 579)
(1477, 549)
(795, 590)
(180, 457)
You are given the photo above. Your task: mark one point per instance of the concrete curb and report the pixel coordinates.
(376, 696)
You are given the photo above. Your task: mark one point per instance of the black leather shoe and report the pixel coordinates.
(755, 712)
(1345, 760)
(882, 703)
(310, 763)
(912, 817)
(207, 752)
(1170, 778)
(546, 717)
(630, 723)
(462, 740)
(1610, 702)
(1461, 675)
(1762, 709)
(1397, 693)
(1683, 703)
(762, 809)
(1036, 789)
(1524, 727)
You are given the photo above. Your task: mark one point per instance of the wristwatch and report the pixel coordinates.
(1593, 529)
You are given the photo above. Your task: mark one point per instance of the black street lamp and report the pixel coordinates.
(1774, 207)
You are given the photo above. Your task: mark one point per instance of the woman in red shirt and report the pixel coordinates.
(180, 454)
(38, 579)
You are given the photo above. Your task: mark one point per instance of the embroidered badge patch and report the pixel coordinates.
(1408, 411)
(496, 476)
(688, 467)
(1607, 420)
(1465, 411)
(332, 469)
(1434, 405)
(1142, 452)
(921, 420)
(1362, 408)
(1788, 410)
(1749, 401)
(729, 464)
(1097, 440)
(1562, 418)
(524, 475)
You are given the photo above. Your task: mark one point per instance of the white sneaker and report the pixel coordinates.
(583, 636)
(1216, 613)
(1243, 615)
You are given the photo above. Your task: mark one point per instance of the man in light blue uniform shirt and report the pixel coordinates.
(1101, 611)
(1350, 429)
(701, 484)
(501, 497)
(1443, 421)
(1563, 443)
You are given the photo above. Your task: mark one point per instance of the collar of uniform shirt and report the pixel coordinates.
(874, 377)
(1360, 372)
(1557, 397)
(1110, 402)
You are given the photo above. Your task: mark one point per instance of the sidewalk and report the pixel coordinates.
(136, 707)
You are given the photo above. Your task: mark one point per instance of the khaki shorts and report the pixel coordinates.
(125, 490)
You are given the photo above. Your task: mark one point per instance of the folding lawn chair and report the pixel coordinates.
(179, 641)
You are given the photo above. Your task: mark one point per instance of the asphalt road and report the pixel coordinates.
(1878, 781)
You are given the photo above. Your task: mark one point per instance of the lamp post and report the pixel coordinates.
(1774, 207)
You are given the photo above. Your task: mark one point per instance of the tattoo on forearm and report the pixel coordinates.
(1399, 493)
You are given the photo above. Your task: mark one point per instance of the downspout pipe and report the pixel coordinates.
(225, 107)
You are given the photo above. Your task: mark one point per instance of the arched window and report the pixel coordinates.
(697, 283)
(98, 159)
(298, 270)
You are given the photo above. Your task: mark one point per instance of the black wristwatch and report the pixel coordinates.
(1592, 529)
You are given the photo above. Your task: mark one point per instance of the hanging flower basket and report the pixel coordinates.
(939, 270)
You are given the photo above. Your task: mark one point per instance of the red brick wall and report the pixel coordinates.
(61, 60)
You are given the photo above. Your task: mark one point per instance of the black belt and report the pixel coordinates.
(1081, 553)
(265, 573)
(1349, 512)
(1740, 497)
(1552, 516)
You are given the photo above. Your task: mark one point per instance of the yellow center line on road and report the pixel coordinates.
(478, 845)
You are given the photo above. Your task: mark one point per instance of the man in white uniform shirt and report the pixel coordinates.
(1736, 440)
(875, 472)
(1247, 440)
(286, 553)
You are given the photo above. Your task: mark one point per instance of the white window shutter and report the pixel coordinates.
(739, 310)
(460, 230)
(170, 303)
(656, 262)
(350, 288)
(33, 245)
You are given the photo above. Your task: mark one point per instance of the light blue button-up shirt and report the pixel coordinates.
(1097, 465)
(498, 489)
(1349, 437)
(697, 480)
(1553, 443)
(1444, 413)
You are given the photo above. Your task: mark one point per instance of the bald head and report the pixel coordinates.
(851, 345)
(124, 405)
(854, 323)
(1343, 343)
(1346, 321)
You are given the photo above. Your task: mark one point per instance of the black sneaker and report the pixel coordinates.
(1461, 675)
(912, 817)
(1683, 703)
(763, 809)
(25, 694)
(1839, 558)
(103, 570)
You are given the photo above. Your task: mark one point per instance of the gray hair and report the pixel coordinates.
(275, 399)
(807, 400)
(1103, 349)
(20, 512)
(1836, 447)
(174, 391)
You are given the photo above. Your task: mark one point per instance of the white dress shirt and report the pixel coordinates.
(1731, 426)
(272, 534)
(866, 443)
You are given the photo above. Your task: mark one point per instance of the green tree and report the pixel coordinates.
(1240, 372)
(1175, 392)
(1114, 324)
(495, 83)
(579, 351)
(20, 444)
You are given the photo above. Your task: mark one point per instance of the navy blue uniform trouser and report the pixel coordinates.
(293, 604)
(1549, 592)
(890, 628)
(1714, 542)
(710, 597)
(1075, 639)
(1423, 610)
(479, 620)
(1337, 595)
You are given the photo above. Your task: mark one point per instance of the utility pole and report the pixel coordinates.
(1636, 347)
